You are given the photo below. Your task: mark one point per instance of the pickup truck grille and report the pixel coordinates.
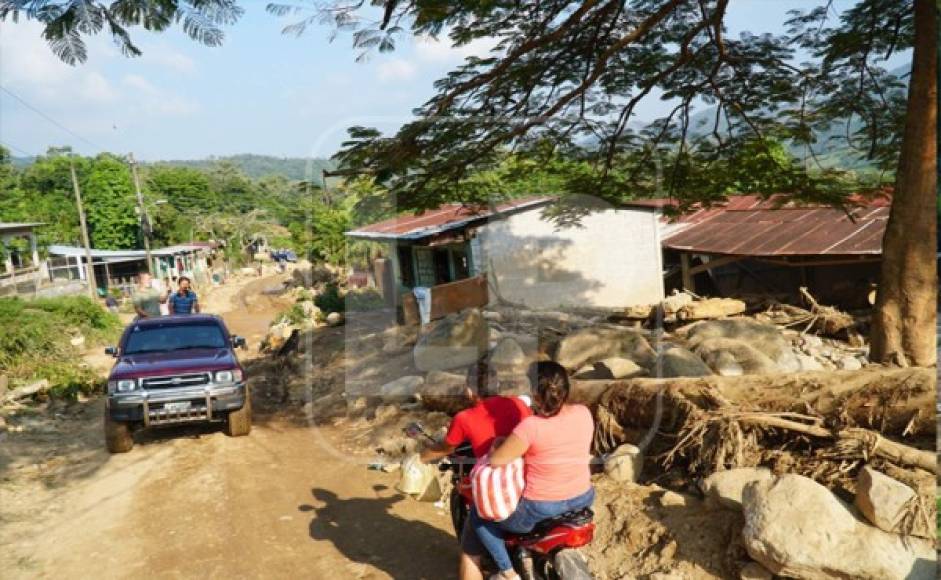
(178, 411)
(190, 380)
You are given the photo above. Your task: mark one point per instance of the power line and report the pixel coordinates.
(15, 148)
(49, 119)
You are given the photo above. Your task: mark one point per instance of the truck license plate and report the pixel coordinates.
(177, 407)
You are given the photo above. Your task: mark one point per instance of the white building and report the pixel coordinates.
(608, 257)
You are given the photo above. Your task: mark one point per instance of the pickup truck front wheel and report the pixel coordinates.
(239, 423)
(118, 437)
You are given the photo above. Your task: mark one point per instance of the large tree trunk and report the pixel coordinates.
(903, 330)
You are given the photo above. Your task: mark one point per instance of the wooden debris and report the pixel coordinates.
(711, 308)
(26, 391)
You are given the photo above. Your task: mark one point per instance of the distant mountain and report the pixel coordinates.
(255, 166)
(21, 162)
(831, 153)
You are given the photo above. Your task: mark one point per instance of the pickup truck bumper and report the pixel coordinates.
(176, 405)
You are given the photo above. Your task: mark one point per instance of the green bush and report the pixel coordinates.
(330, 300)
(34, 340)
(364, 299)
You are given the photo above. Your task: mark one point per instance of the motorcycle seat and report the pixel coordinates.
(576, 518)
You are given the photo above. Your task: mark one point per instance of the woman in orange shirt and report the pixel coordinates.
(555, 444)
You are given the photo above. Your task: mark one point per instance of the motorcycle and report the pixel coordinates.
(548, 552)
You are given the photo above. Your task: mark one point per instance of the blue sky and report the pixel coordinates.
(260, 92)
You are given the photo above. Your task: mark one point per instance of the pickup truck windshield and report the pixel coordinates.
(164, 338)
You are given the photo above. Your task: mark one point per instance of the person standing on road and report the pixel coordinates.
(147, 299)
(184, 300)
(490, 417)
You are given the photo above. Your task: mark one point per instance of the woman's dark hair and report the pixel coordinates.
(481, 378)
(550, 385)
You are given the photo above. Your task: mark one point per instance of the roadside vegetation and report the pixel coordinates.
(36, 341)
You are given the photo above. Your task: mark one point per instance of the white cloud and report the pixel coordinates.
(396, 69)
(28, 66)
(153, 100)
(168, 58)
(431, 50)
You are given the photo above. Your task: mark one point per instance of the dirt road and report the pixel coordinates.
(193, 503)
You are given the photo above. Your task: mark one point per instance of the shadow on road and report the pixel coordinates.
(366, 531)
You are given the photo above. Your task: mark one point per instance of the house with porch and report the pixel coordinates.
(20, 266)
(519, 252)
(774, 246)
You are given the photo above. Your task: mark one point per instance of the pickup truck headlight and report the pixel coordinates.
(122, 386)
(232, 376)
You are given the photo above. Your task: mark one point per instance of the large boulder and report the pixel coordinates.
(729, 357)
(455, 341)
(796, 528)
(677, 361)
(885, 502)
(589, 345)
(724, 488)
(508, 357)
(765, 338)
(444, 392)
(624, 464)
(402, 388)
(611, 368)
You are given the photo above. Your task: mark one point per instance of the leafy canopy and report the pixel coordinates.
(66, 22)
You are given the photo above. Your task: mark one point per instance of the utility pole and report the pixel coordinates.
(145, 219)
(89, 266)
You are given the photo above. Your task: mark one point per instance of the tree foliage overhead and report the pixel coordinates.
(67, 22)
(573, 74)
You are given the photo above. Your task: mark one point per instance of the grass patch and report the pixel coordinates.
(35, 341)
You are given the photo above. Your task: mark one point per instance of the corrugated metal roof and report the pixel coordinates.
(446, 217)
(6, 226)
(752, 226)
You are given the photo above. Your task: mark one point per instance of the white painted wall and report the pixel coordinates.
(611, 259)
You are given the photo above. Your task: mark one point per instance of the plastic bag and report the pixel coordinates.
(416, 476)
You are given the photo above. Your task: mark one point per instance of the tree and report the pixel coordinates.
(573, 74)
(67, 21)
(185, 189)
(42, 192)
(109, 205)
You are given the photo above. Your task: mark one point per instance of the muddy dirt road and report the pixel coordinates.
(193, 503)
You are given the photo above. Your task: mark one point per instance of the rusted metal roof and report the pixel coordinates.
(751, 226)
(447, 217)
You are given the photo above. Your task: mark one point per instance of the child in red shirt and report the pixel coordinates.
(490, 417)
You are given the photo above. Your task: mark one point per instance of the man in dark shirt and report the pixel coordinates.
(184, 300)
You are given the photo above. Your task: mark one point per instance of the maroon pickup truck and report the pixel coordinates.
(173, 370)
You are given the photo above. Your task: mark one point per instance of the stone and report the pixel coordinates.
(849, 363)
(445, 392)
(672, 304)
(624, 464)
(680, 362)
(672, 499)
(335, 319)
(754, 571)
(797, 528)
(731, 357)
(611, 368)
(77, 340)
(724, 488)
(812, 341)
(765, 338)
(402, 388)
(492, 316)
(455, 341)
(809, 363)
(3, 424)
(885, 502)
(508, 357)
(592, 344)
